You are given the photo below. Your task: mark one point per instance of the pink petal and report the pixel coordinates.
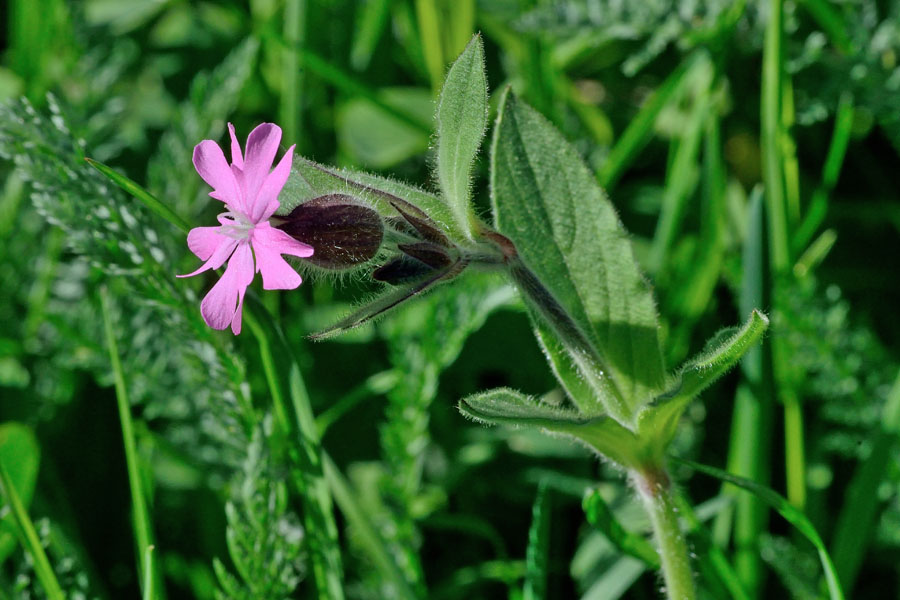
(225, 299)
(262, 144)
(212, 167)
(276, 273)
(269, 244)
(271, 187)
(203, 241)
(238, 314)
(219, 255)
(276, 240)
(237, 159)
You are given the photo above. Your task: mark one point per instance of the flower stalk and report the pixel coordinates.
(657, 494)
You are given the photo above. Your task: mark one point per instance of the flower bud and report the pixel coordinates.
(343, 233)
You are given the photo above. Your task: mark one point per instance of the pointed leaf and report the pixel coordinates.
(568, 234)
(462, 115)
(659, 420)
(700, 372)
(509, 407)
(390, 300)
(787, 510)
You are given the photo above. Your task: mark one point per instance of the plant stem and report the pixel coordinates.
(297, 423)
(29, 539)
(655, 489)
(143, 528)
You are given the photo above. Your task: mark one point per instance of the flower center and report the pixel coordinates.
(236, 225)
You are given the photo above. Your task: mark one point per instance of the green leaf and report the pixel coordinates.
(381, 305)
(791, 513)
(569, 236)
(309, 180)
(148, 199)
(20, 454)
(503, 406)
(659, 420)
(462, 115)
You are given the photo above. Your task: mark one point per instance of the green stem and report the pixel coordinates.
(298, 425)
(794, 456)
(30, 540)
(771, 119)
(658, 496)
(142, 528)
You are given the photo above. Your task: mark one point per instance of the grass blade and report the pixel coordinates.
(750, 445)
(143, 527)
(149, 200)
(640, 128)
(430, 33)
(29, 539)
(290, 106)
(713, 561)
(771, 113)
(299, 426)
(791, 513)
(834, 160)
(370, 26)
(538, 551)
(856, 521)
(149, 588)
(682, 176)
(368, 536)
(601, 516)
(345, 82)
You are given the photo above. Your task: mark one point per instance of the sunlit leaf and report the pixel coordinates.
(461, 120)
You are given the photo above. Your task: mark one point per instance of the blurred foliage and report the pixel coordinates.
(662, 99)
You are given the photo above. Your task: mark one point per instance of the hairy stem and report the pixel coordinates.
(656, 492)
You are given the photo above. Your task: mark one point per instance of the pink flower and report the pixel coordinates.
(245, 237)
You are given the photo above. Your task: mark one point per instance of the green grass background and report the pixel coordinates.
(751, 149)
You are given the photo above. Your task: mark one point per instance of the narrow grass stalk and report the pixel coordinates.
(367, 535)
(794, 451)
(750, 440)
(640, 128)
(30, 540)
(681, 177)
(538, 550)
(289, 109)
(781, 178)
(149, 588)
(346, 82)
(712, 558)
(834, 161)
(856, 521)
(771, 117)
(143, 528)
(656, 492)
(298, 425)
(149, 200)
(430, 30)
